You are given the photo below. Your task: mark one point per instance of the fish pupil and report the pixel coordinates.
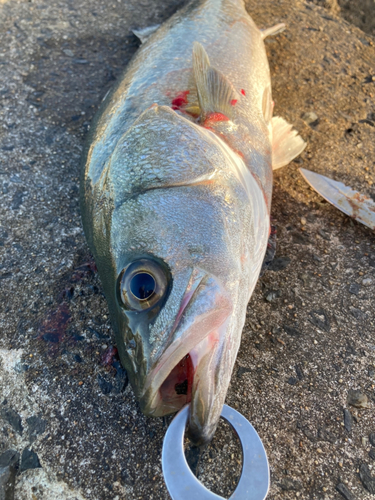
(142, 286)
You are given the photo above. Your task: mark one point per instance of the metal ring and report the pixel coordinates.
(181, 482)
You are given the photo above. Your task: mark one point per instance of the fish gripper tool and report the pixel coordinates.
(182, 483)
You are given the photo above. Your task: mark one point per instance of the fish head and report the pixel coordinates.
(185, 246)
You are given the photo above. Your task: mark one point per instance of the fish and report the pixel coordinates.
(176, 185)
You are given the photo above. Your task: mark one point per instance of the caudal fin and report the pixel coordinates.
(286, 143)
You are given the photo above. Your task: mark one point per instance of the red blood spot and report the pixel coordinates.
(54, 326)
(108, 355)
(233, 102)
(214, 117)
(243, 92)
(180, 100)
(217, 117)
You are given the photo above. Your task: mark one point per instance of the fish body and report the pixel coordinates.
(175, 194)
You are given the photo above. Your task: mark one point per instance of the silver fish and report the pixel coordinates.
(175, 195)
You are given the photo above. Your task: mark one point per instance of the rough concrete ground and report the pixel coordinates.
(360, 13)
(309, 338)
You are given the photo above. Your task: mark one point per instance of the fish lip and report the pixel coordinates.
(150, 400)
(186, 299)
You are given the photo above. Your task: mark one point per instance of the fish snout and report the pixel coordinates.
(192, 368)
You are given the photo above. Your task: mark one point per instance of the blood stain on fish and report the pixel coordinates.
(180, 100)
(214, 117)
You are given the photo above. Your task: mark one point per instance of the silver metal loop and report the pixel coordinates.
(181, 482)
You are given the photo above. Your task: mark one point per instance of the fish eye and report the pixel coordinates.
(142, 285)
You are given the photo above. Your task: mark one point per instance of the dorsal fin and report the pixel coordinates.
(144, 34)
(215, 92)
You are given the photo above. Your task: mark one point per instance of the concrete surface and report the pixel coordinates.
(66, 410)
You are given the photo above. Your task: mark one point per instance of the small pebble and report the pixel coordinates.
(357, 398)
(354, 288)
(9, 458)
(7, 482)
(341, 488)
(367, 480)
(309, 117)
(29, 460)
(68, 52)
(273, 295)
(348, 420)
(367, 282)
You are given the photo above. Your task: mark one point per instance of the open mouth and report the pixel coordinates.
(186, 369)
(172, 387)
(176, 389)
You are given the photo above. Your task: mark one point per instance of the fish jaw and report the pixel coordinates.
(191, 359)
(210, 384)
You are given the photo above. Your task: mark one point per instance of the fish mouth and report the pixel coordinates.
(189, 370)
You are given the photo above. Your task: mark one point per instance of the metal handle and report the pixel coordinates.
(181, 482)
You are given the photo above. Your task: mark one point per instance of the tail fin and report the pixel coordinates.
(286, 143)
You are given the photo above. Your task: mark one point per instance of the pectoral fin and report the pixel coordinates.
(286, 143)
(215, 92)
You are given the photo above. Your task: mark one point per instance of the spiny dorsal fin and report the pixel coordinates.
(215, 92)
(286, 143)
